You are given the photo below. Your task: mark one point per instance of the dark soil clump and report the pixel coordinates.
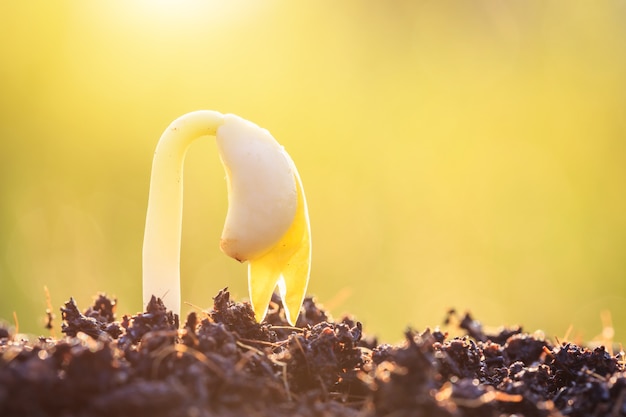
(223, 363)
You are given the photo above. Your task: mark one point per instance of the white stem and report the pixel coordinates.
(161, 245)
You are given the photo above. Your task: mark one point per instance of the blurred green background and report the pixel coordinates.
(454, 154)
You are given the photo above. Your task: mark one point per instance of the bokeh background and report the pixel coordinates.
(455, 154)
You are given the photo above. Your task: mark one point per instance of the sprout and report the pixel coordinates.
(267, 223)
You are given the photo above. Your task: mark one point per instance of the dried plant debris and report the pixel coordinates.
(223, 363)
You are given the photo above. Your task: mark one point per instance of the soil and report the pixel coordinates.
(223, 363)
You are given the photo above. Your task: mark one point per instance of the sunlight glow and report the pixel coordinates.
(180, 13)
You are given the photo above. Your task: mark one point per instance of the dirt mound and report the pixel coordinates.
(223, 363)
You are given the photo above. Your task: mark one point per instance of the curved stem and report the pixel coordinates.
(162, 238)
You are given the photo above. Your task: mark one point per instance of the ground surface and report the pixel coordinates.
(222, 363)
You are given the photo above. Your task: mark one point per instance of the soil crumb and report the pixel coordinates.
(223, 363)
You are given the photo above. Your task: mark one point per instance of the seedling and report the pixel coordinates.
(267, 223)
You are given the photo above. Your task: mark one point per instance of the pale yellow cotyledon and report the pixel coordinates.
(267, 223)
